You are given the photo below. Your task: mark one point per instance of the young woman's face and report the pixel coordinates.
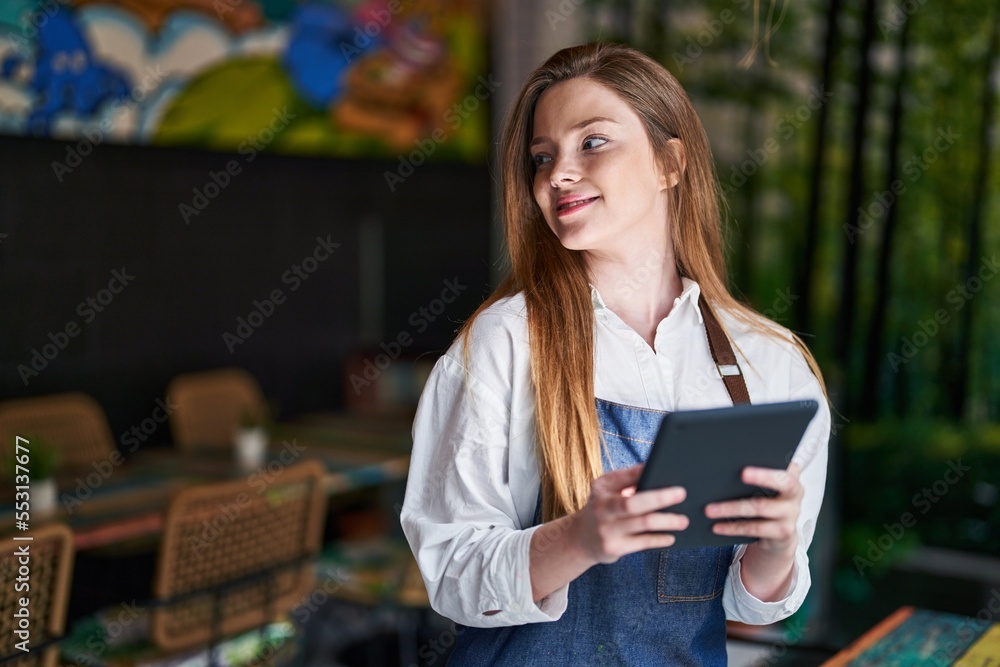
(596, 179)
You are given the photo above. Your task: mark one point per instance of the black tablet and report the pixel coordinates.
(705, 451)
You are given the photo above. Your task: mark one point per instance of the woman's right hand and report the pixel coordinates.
(616, 519)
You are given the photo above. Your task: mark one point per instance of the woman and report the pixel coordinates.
(531, 432)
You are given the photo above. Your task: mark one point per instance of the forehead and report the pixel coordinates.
(569, 102)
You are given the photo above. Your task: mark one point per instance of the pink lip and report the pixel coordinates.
(563, 201)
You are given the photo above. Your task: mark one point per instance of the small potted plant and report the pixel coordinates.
(41, 462)
(251, 439)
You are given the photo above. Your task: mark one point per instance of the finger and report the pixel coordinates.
(617, 480)
(764, 529)
(644, 502)
(748, 508)
(653, 522)
(645, 541)
(785, 482)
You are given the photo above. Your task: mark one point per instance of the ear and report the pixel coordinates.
(677, 158)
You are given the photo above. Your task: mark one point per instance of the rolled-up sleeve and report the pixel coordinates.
(811, 455)
(458, 513)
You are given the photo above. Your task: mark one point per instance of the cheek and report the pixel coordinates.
(540, 191)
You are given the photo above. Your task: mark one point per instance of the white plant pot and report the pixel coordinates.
(44, 495)
(251, 448)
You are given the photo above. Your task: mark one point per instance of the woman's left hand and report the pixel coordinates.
(772, 519)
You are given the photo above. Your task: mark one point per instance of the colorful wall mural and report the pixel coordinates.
(375, 78)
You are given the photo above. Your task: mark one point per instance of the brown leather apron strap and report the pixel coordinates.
(722, 353)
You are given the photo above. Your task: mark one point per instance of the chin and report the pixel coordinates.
(576, 239)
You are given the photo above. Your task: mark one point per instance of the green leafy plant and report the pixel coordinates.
(259, 417)
(42, 461)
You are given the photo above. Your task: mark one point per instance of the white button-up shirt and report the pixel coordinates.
(473, 481)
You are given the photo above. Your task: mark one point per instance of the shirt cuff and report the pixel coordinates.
(520, 608)
(549, 608)
(742, 606)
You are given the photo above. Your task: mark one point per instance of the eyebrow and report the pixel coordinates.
(579, 126)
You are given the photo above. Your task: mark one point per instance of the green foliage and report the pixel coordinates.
(262, 417)
(898, 467)
(42, 459)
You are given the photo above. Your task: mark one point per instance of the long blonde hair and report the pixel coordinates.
(555, 281)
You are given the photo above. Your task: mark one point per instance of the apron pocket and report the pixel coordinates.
(692, 575)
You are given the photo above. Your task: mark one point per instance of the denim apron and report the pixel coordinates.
(653, 607)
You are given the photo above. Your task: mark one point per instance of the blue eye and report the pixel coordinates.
(589, 140)
(539, 159)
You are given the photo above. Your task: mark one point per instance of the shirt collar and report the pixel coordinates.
(595, 298)
(690, 291)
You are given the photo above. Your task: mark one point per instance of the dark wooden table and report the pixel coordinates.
(109, 505)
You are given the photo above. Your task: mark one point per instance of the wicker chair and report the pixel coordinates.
(51, 565)
(208, 407)
(234, 555)
(73, 422)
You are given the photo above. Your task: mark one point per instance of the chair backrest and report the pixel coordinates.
(74, 423)
(218, 536)
(208, 407)
(50, 562)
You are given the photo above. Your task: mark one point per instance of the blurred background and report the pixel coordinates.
(307, 191)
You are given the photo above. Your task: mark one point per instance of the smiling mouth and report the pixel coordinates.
(574, 204)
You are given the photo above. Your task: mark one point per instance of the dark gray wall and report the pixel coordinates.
(119, 209)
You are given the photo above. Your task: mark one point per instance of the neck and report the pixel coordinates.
(639, 286)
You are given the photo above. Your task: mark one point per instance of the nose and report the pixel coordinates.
(564, 170)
